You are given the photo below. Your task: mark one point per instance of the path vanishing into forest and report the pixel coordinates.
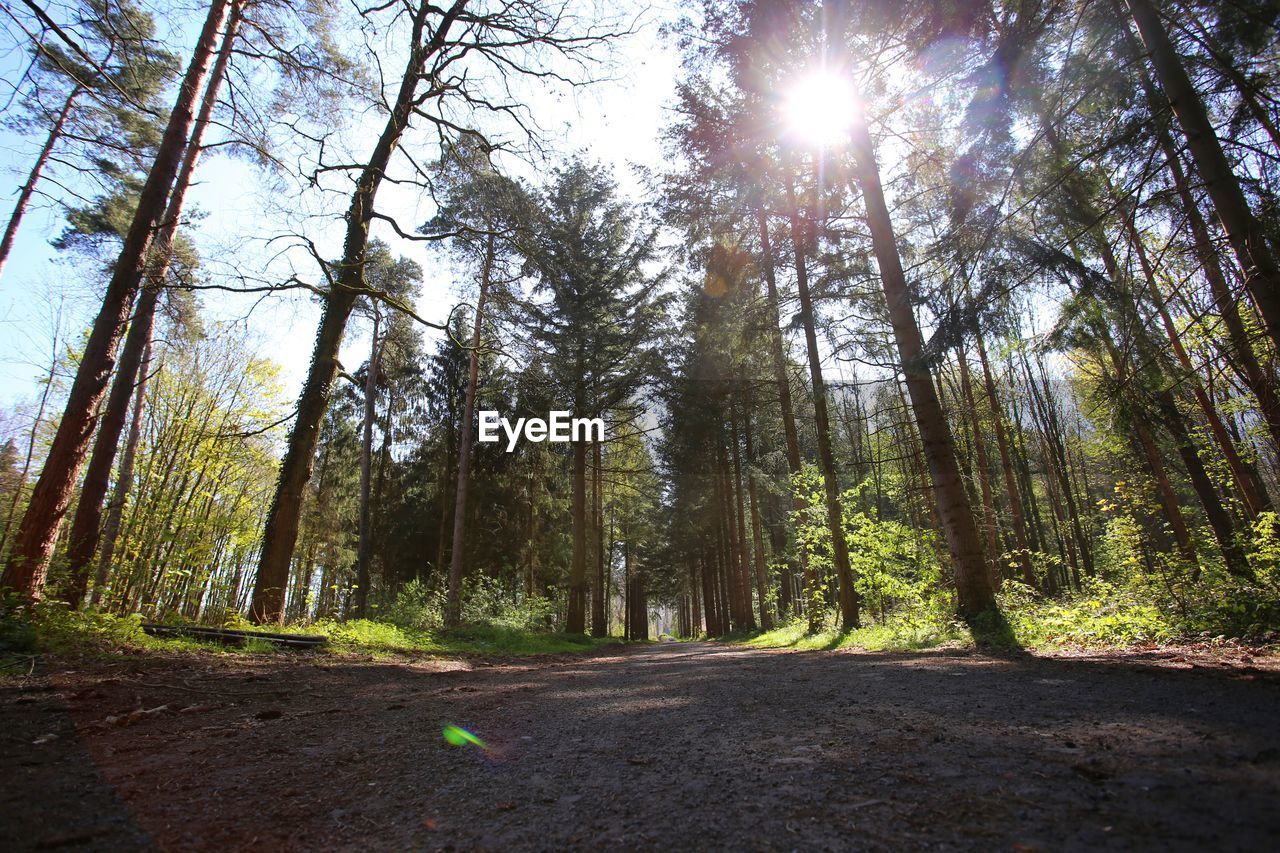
(695, 745)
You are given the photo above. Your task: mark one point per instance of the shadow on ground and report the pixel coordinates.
(672, 745)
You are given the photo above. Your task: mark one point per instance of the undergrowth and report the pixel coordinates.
(54, 629)
(1102, 614)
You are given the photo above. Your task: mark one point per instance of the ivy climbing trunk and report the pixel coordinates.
(280, 533)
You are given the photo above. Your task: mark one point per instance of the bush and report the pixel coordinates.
(52, 626)
(484, 602)
(1102, 614)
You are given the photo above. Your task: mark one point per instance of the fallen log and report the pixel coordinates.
(232, 637)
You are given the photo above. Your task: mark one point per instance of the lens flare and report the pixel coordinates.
(458, 736)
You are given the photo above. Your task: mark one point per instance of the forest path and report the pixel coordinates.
(693, 746)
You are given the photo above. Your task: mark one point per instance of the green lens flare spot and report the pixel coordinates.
(458, 736)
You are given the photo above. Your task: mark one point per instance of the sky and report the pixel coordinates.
(616, 121)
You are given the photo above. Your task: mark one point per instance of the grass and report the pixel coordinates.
(894, 636)
(1103, 616)
(365, 636)
(55, 630)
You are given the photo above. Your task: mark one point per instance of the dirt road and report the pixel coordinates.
(691, 746)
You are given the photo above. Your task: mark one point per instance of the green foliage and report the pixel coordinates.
(485, 603)
(896, 635)
(1103, 614)
(1221, 604)
(365, 636)
(896, 568)
(52, 626)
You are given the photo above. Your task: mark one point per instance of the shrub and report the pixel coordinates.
(484, 602)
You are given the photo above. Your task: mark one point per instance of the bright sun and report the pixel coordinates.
(819, 108)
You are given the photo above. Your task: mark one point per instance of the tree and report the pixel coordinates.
(88, 516)
(1249, 239)
(28, 563)
(97, 101)
(399, 279)
(598, 322)
(509, 37)
(482, 210)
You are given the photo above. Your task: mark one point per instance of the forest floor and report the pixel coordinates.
(671, 745)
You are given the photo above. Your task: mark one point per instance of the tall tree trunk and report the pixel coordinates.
(281, 529)
(364, 542)
(27, 189)
(984, 475)
(974, 588)
(744, 549)
(1006, 464)
(848, 596)
(708, 595)
(576, 621)
(783, 383)
(1243, 229)
(1255, 500)
(695, 602)
(730, 546)
(86, 522)
(28, 563)
(280, 532)
(1050, 429)
(453, 604)
(446, 505)
(599, 611)
(1259, 380)
(124, 482)
(1219, 519)
(762, 571)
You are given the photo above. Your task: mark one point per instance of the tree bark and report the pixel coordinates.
(1006, 465)
(783, 382)
(984, 475)
(123, 482)
(87, 521)
(1245, 232)
(364, 543)
(1259, 380)
(599, 609)
(280, 533)
(848, 596)
(762, 571)
(28, 564)
(1255, 500)
(974, 588)
(576, 621)
(453, 604)
(744, 550)
(37, 169)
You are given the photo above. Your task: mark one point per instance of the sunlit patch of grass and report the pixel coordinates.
(892, 636)
(364, 636)
(55, 629)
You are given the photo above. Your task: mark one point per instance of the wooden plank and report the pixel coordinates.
(233, 637)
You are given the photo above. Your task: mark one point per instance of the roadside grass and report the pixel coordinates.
(893, 636)
(1102, 616)
(52, 629)
(362, 636)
